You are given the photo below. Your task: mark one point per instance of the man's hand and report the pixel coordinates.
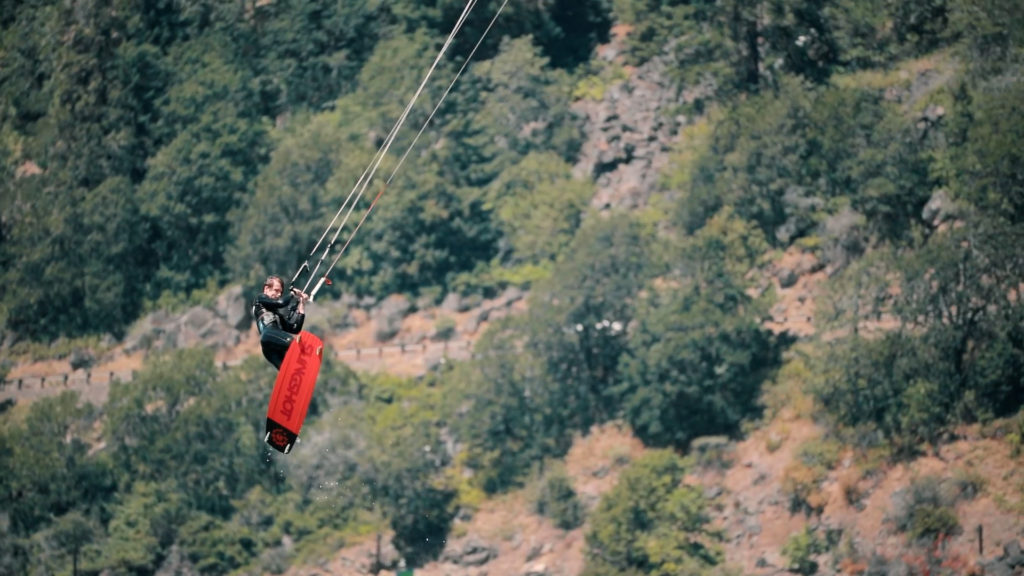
(302, 295)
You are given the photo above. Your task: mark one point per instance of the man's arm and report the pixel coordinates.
(273, 303)
(294, 316)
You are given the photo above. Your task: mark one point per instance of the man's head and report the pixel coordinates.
(273, 286)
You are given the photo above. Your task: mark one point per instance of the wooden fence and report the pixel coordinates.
(362, 355)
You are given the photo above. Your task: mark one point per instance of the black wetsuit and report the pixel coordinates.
(277, 320)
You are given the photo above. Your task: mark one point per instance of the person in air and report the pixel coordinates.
(278, 318)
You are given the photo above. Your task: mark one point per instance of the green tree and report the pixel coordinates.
(216, 546)
(991, 32)
(54, 473)
(801, 33)
(960, 288)
(421, 234)
(25, 64)
(75, 263)
(403, 467)
(142, 415)
(216, 142)
(178, 413)
(557, 500)
(862, 31)
(70, 538)
(921, 23)
(269, 517)
(865, 150)
(786, 160)
(958, 355)
(505, 108)
(925, 413)
(710, 41)
(72, 533)
(577, 28)
(75, 242)
(14, 553)
(422, 231)
(755, 155)
(313, 168)
(988, 164)
(858, 295)
(861, 383)
(698, 354)
(577, 318)
(306, 54)
(500, 410)
(567, 31)
(746, 45)
(391, 76)
(86, 144)
(651, 523)
(538, 207)
(143, 524)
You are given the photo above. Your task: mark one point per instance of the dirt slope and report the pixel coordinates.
(751, 505)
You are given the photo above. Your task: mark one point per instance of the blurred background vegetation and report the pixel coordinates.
(155, 151)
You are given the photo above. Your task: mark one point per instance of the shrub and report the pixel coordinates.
(712, 452)
(801, 480)
(924, 510)
(849, 485)
(801, 483)
(444, 328)
(557, 500)
(594, 86)
(1016, 436)
(930, 522)
(821, 454)
(968, 483)
(652, 523)
(800, 550)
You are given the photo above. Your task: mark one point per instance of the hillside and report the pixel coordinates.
(748, 482)
(661, 287)
(748, 479)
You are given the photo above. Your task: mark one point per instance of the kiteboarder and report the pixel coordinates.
(278, 318)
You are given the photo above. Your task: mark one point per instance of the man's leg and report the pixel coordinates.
(275, 345)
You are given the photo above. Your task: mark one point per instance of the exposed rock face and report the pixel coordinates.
(939, 209)
(232, 306)
(470, 552)
(1009, 563)
(628, 135)
(217, 326)
(177, 564)
(81, 358)
(492, 309)
(536, 569)
(387, 317)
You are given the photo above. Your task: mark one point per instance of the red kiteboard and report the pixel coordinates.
(293, 390)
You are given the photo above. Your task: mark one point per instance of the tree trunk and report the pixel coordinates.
(753, 60)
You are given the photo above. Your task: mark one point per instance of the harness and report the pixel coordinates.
(266, 319)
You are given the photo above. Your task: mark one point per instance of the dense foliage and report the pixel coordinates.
(152, 152)
(652, 523)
